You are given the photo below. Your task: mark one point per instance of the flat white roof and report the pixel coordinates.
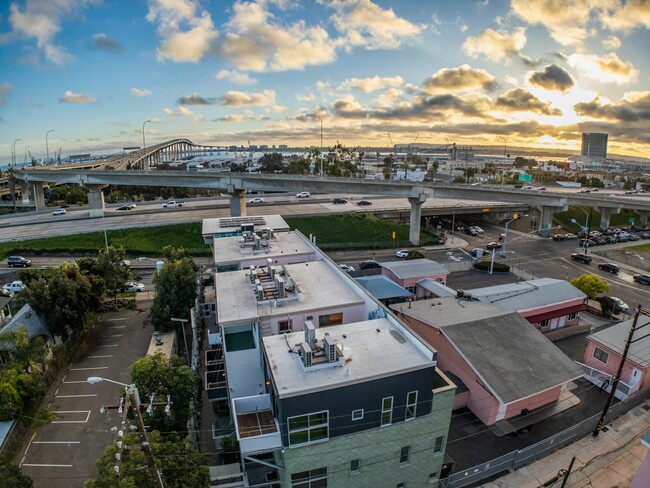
(223, 225)
(372, 349)
(320, 287)
(227, 250)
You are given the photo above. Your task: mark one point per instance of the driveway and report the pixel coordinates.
(63, 453)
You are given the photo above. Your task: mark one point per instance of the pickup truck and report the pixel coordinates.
(172, 204)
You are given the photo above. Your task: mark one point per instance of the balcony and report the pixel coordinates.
(604, 380)
(256, 427)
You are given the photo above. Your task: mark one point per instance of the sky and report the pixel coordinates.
(529, 73)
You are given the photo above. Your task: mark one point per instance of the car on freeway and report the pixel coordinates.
(541, 188)
(15, 286)
(346, 267)
(339, 200)
(644, 279)
(402, 253)
(609, 267)
(172, 204)
(585, 190)
(134, 286)
(581, 257)
(256, 200)
(124, 207)
(631, 192)
(59, 211)
(559, 237)
(369, 264)
(18, 262)
(621, 305)
(131, 205)
(65, 205)
(364, 202)
(493, 245)
(303, 194)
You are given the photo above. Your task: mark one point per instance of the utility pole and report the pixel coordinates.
(146, 447)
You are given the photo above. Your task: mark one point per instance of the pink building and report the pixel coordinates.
(513, 375)
(407, 273)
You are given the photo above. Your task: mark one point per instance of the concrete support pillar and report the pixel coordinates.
(416, 216)
(237, 202)
(96, 200)
(546, 219)
(605, 215)
(643, 217)
(24, 192)
(39, 195)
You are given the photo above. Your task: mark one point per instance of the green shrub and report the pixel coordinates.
(497, 268)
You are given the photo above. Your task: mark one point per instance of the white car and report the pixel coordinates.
(172, 204)
(477, 229)
(346, 267)
(59, 211)
(303, 194)
(402, 253)
(256, 200)
(14, 286)
(134, 286)
(622, 306)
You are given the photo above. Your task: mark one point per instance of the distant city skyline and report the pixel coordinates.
(90, 73)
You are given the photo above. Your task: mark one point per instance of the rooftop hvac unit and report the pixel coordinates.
(460, 293)
(247, 228)
(260, 293)
(269, 233)
(279, 286)
(330, 348)
(258, 241)
(305, 354)
(310, 333)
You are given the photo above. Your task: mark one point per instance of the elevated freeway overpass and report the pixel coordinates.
(238, 184)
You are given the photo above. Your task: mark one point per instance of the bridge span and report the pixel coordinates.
(238, 184)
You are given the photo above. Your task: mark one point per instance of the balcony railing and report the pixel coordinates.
(605, 380)
(256, 427)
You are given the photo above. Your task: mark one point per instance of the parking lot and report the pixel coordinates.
(63, 453)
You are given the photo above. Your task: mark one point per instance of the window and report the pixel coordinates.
(315, 478)
(354, 466)
(601, 355)
(438, 444)
(331, 319)
(572, 316)
(387, 411)
(284, 326)
(308, 428)
(411, 403)
(543, 324)
(357, 414)
(404, 454)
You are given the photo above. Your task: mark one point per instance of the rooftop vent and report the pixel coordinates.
(310, 333)
(330, 348)
(306, 354)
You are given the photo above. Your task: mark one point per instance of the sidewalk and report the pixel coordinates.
(610, 460)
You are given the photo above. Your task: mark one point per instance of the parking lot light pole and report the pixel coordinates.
(505, 236)
(134, 400)
(187, 352)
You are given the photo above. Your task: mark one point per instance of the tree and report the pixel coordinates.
(271, 163)
(180, 466)
(112, 269)
(161, 378)
(590, 284)
(175, 289)
(12, 477)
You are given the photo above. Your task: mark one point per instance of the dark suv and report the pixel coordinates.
(371, 264)
(18, 261)
(609, 267)
(582, 257)
(644, 279)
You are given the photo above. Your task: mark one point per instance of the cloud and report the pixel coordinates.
(187, 36)
(195, 99)
(240, 99)
(611, 43)
(368, 85)
(606, 69)
(256, 41)
(236, 77)
(137, 92)
(101, 42)
(552, 78)
(181, 112)
(79, 98)
(5, 89)
(458, 79)
(498, 46)
(365, 24)
(626, 16)
(305, 98)
(633, 107)
(521, 100)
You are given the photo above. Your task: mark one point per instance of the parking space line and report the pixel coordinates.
(117, 319)
(114, 335)
(117, 327)
(75, 396)
(99, 357)
(73, 382)
(88, 369)
(48, 465)
(56, 442)
(107, 345)
(87, 412)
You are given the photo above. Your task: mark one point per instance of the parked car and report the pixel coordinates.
(402, 253)
(559, 237)
(134, 286)
(621, 305)
(59, 211)
(369, 264)
(609, 267)
(644, 279)
(256, 200)
(364, 202)
(15, 286)
(18, 262)
(570, 236)
(303, 194)
(581, 257)
(633, 237)
(645, 235)
(346, 267)
(339, 200)
(172, 204)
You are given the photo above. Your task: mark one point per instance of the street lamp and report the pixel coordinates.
(585, 228)
(13, 152)
(505, 145)
(505, 236)
(25, 156)
(47, 147)
(187, 352)
(134, 400)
